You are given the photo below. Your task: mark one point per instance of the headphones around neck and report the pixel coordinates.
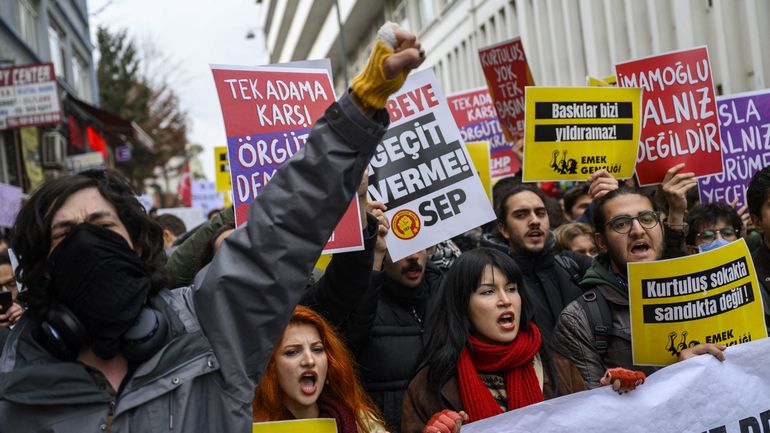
(65, 336)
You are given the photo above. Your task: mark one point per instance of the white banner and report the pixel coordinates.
(423, 173)
(697, 395)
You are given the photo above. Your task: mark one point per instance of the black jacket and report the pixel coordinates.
(550, 285)
(389, 342)
(338, 292)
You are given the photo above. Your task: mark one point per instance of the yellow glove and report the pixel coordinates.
(371, 86)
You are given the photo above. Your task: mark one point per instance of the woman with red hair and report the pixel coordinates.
(311, 375)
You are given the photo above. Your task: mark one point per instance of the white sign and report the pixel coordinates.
(423, 173)
(29, 96)
(206, 197)
(191, 216)
(85, 161)
(697, 395)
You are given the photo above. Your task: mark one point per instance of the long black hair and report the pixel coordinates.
(451, 326)
(31, 237)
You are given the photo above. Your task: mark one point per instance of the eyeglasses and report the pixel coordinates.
(727, 233)
(622, 224)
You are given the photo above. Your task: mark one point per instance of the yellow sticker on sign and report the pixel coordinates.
(222, 169)
(296, 426)
(572, 132)
(479, 153)
(711, 297)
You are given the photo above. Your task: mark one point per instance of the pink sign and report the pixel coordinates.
(476, 118)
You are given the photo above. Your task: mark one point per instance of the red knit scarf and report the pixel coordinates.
(513, 359)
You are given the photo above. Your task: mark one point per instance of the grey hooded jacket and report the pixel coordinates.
(225, 327)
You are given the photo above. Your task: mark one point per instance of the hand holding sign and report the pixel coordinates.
(702, 349)
(600, 183)
(675, 186)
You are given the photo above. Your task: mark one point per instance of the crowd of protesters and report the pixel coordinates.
(128, 323)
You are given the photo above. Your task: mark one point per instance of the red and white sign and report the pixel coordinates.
(505, 67)
(29, 96)
(268, 113)
(476, 118)
(679, 113)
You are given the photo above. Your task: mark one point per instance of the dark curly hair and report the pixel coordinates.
(710, 213)
(31, 236)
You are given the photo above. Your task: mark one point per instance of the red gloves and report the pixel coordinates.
(446, 421)
(623, 380)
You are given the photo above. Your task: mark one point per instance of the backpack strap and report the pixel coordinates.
(599, 318)
(571, 266)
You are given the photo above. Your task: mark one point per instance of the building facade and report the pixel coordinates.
(564, 40)
(57, 32)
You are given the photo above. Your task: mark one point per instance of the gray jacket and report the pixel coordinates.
(225, 328)
(574, 338)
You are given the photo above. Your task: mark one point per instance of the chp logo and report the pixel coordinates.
(406, 224)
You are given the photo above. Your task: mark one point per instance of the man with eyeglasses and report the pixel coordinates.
(594, 332)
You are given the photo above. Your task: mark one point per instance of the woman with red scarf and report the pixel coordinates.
(485, 356)
(311, 375)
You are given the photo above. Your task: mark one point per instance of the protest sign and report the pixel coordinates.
(698, 395)
(711, 297)
(479, 152)
(268, 113)
(601, 82)
(319, 425)
(744, 123)
(574, 131)
(507, 72)
(222, 169)
(206, 197)
(29, 96)
(10, 197)
(476, 118)
(191, 216)
(423, 173)
(679, 113)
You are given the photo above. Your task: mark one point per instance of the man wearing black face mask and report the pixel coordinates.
(104, 346)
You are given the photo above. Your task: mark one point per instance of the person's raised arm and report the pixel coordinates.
(247, 294)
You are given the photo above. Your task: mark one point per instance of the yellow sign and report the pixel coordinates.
(711, 297)
(296, 426)
(222, 169)
(572, 132)
(601, 82)
(479, 152)
(31, 152)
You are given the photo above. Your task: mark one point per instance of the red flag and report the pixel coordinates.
(96, 141)
(184, 190)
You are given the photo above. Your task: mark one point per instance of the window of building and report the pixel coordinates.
(28, 23)
(427, 12)
(400, 14)
(81, 78)
(56, 45)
